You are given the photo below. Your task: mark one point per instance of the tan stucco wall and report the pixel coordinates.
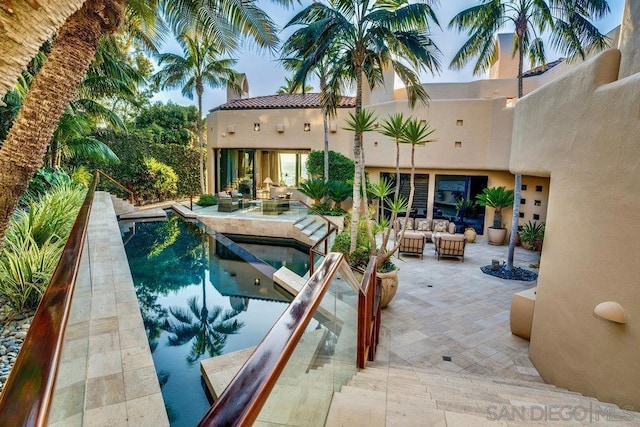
(582, 130)
(484, 134)
(23, 32)
(506, 67)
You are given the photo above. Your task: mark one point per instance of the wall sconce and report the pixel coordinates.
(280, 127)
(231, 129)
(333, 127)
(375, 143)
(256, 127)
(376, 124)
(256, 282)
(307, 127)
(611, 311)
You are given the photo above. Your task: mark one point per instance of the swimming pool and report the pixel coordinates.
(198, 299)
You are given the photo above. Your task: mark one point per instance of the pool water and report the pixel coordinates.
(197, 302)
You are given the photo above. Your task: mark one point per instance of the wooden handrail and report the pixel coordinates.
(27, 395)
(242, 400)
(368, 315)
(117, 184)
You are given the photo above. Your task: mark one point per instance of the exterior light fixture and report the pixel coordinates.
(256, 281)
(611, 311)
(307, 127)
(256, 127)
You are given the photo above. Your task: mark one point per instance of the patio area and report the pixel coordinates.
(450, 309)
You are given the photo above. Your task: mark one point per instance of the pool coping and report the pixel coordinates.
(122, 386)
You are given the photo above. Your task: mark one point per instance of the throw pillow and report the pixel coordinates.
(424, 225)
(406, 224)
(440, 228)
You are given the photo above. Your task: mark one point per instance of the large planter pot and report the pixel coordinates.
(470, 234)
(496, 235)
(388, 285)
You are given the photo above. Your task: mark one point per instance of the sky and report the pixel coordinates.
(265, 75)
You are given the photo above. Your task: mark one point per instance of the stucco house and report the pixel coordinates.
(573, 136)
(250, 139)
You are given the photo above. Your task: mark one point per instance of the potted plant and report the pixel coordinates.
(497, 198)
(532, 235)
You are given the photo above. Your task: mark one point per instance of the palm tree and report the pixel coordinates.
(571, 32)
(359, 39)
(199, 66)
(394, 127)
(291, 87)
(73, 49)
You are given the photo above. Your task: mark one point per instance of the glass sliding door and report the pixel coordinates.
(236, 171)
(420, 196)
(455, 200)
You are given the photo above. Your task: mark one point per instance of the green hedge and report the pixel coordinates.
(341, 168)
(133, 148)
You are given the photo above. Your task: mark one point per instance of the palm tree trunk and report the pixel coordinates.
(200, 91)
(386, 255)
(357, 159)
(54, 86)
(397, 191)
(518, 179)
(325, 124)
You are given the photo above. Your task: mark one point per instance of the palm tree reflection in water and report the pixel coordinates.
(206, 329)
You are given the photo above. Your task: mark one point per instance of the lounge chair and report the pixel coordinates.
(412, 242)
(226, 204)
(449, 245)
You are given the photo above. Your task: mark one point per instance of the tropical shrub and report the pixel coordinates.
(341, 168)
(33, 244)
(44, 180)
(207, 200)
(164, 180)
(315, 189)
(532, 235)
(81, 176)
(132, 149)
(339, 191)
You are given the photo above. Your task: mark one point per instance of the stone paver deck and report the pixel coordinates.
(450, 308)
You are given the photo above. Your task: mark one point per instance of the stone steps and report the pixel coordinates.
(380, 396)
(310, 229)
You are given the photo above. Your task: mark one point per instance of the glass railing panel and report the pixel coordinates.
(67, 405)
(322, 362)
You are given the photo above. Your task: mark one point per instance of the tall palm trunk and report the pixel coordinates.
(325, 125)
(518, 179)
(73, 49)
(200, 91)
(357, 159)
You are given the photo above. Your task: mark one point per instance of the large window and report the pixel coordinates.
(455, 200)
(419, 206)
(236, 171)
(246, 170)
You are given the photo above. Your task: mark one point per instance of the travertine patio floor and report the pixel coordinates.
(450, 308)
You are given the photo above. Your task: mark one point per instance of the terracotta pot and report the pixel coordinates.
(470, 234)
(388, 285)
(496, 235)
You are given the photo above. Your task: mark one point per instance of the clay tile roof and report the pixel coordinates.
(281, 101)
(542, 68)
